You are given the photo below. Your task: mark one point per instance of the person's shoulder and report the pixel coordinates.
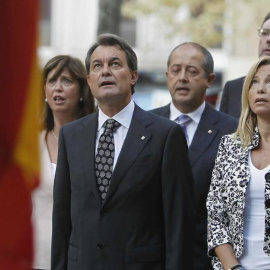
(236, 81)
(221, 115)
(73, 125)
(225, 122)
(227, 118)
(160, 109)
(42, 134)
(157, 119)
(164, 128)
(229, 141)
(228, 147)
(161, 119)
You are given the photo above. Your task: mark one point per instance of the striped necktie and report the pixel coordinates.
(183, 121)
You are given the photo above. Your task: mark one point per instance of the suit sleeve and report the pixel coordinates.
(178, 202)
(224, 99)
(61, 220)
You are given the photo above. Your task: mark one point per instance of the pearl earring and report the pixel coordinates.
(81, 99)
(46, 100)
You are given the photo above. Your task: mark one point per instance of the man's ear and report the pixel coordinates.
(210, 79)
(88, 79)
(134, 77)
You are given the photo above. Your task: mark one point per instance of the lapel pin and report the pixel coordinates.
(142, 138)
(209, 131)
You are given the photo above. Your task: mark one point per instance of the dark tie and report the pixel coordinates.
(105, 157)
(183, 121)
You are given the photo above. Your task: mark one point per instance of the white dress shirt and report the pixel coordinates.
(253, 256)
(124, 118)
(192, 125)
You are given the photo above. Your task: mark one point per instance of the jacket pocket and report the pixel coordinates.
(149, 253)
(72, 253)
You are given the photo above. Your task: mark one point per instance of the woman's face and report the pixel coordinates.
(259, 92)
(62, 93)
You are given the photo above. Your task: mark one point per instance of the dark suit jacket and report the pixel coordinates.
(202, 153)
(147, 218)
(232, 97)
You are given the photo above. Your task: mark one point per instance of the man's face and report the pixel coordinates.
(110, 78)
(186, 79)
(264, 42)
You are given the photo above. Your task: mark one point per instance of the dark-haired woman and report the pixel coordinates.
(67, 97)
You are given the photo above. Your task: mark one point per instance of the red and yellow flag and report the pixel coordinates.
(19, 99)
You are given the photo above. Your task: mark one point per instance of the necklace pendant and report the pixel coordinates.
(54, 135)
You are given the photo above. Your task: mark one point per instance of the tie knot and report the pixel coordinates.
(184, 119)
(110, 126)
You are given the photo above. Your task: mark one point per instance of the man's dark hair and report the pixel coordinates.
(267, 17)
(113, 40)
(208, 63)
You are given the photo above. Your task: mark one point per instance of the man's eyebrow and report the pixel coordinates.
(114, 58)
(192, 66)
(176, 65)
(188, 66)
(96, 60)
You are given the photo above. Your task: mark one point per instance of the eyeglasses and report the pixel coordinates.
(263, 32)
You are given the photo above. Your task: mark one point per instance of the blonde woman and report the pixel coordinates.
(238, 202)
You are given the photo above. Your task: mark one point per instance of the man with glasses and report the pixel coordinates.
(232, 92)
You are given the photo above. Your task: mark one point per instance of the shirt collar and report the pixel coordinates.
(123, 117)
(195, 115)
(255, 139)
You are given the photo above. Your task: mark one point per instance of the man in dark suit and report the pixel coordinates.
(231, 97)
(123, 192)
(232, 91)
(189, 74)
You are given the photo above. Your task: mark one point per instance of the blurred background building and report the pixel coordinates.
(228, 28)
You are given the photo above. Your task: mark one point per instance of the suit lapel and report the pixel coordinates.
(204, 135)
(136, 139)
(87, 145)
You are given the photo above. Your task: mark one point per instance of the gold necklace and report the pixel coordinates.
(54, 135)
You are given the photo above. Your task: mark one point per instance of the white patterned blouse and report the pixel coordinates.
(226, 197)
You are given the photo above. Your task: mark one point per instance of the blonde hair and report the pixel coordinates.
(248, 119)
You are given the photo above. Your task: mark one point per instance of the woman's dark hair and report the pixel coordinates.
(78, 72)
